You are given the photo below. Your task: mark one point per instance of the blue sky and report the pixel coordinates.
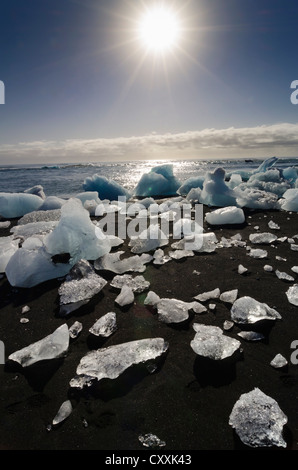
(79, 85)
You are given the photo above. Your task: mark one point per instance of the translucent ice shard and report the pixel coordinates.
(279, 361)
(284, 276)
(248, 310)
(176, 311)
(180, 254)
(210, 342)
(148, 240)
(226, 215)
(64, 411)
(8, 247)
(229, 296)
(126, 296)
(52, 346)
(242, 269)
(251, 335)
(292, 294)
(113, 361)
(152, 441)
(213, 294)
(105, 326)
(138, 283)
(112, 262)
(152, 299)
(264, 237)
(258, 420)
(75, 329)
(159, 257)
(258, 253)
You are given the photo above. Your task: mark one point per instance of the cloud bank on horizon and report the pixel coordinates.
(278, 139)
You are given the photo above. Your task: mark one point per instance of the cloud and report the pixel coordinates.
(276, 138)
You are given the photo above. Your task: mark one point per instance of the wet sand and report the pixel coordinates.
(186, 402)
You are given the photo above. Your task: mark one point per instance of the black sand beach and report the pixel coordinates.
(186, 402)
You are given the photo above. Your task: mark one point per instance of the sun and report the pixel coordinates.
(159, 29)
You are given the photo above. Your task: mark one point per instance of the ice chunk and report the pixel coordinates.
(273, 226)
(268, 268)
(14, 205)
(210, 342)
(225, 215)
(138, 283)
(40, 216)
(152, 299)
(113, 361)
(106, 189)
(25, 309)
(126, 296)
(284, 276)
(292, 294)
(200, 243)
(215, 191)
(251, 335)
(8, 246)
(258, 420)
(81, 284)
(105, 326)
(148, 240)
(51, 203)
(159, 182)
(289, 200)
(179, 254)
(229, 296)
(34, 228)
(213, 294)
(194, 195)
(190, 183)
(228, 325)
(265, 237)
(242, 269)
(37, 190)
(64, 411)
(258, 253)
(255, 198)
(151, 441)
(75, 329)
(295, 269)
(176, 311)
(5, 224)
(159, 257)
(52, 346)
(112, 262)
(248, 310)
(279, 361)
(88, 196)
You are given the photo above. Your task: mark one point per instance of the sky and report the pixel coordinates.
(80, 85)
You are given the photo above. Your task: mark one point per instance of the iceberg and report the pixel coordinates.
(258, 420)
(105, 326)
(210, 342)
(193, 182)
(112, 262)
(52, 346)
(253, 198)
(14, 205)
(215, 191)
(226, 215)
(160, 181)
(8, 247)
(111, 362)
(37, 190)
(248, 310)
(105, 188)
(52, 203)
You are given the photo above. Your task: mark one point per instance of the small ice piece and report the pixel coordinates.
(229, 296)
(294, 247)
(256, 227)
(24, 320)
(228, 325)
(265, 237)
(213, 294)
(242, 269)
(258, 420)
(292, 294)
(5, 224)
(295, 269)
(279, 361)
(258, 253)
(251, 335)
(151, 299)
(279, 258)
(112, 262)
(152, 441)
(32, 229)
(284, 276)
(179, 254)
(176, 311)
(226, 215)
(138, 284)
(75, 329)
(282, 239)
(8, 247)
(64, 411)
(273, 226)
(212, 306)
(248, 310)
(148, 240)
(25, 309)
(210, 342)
(13, 205)
(126, 296)
(52, 346)
(105, 326)
(160, 258)
(196, 272)
(268, 268)
(113, 361)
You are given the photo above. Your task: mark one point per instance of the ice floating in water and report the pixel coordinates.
(151, 441)
(248, 310)
(265, 238)
(64, 411)
(8, 246)
(126, 296)
(112, 262)
(292, 294)
(258, 420)
(14, 205)
(113, 361)
(213, 294)
(138, 283)
(105, 326)
(226, 215)
(52, 346)
(258, 253)
(279, 361)
(106, 189)
(251, 335)
(159, 182)
(284, 276)
(229, 296)
(81, 284)
(210, 342)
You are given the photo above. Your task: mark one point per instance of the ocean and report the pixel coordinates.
(66, 180)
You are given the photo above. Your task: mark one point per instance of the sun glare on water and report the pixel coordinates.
(159, 29)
